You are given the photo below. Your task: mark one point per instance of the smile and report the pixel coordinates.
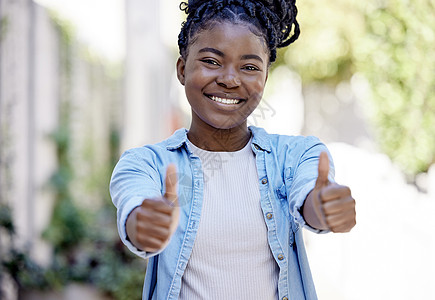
(224, 100)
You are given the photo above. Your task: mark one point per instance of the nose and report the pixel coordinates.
(228, 79)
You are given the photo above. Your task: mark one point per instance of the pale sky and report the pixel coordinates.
(99, 23)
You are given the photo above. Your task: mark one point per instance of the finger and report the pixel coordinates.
(171, 183)
(318, 209)
(345, 227)
(338, 206)
(152, 217)
(337, 221)
(158, 232)
(150, 244)
(157, 205)
(335, 191)
(322, 178)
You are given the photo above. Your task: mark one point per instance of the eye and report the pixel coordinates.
(210, 61)
(251, 68)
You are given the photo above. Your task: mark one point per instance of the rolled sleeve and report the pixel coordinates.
(122, 215)
(133, 180)
(304, 178)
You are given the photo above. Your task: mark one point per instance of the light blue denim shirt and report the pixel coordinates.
(287, 170)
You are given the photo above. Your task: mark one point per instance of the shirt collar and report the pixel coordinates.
(177, 140)
(260, 140)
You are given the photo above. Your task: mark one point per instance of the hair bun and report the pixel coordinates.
(277, 18)
(195, 2)
(268, 3)
(190, 5)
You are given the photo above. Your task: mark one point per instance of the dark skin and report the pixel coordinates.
(233, 138)
(219, 67)
(329, 205)
(224, 76)
(150, 225)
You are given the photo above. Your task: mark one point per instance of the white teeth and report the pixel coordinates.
(225, 101)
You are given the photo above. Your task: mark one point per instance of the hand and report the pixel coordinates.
(331, 203)
(151, 225)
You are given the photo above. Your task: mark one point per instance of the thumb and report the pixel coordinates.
(322, 178)
(171, 182)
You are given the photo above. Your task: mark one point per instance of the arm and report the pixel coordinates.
(150, 225)
(136, 177)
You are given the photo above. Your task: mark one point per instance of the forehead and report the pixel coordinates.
(235, 38)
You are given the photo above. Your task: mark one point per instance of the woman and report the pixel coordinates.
(231, 227)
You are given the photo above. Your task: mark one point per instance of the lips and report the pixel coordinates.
(224, 100)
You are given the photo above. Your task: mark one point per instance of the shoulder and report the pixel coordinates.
(280, 142)
(296, 142)
(158, 153)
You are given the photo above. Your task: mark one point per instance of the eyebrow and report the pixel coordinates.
(252, 56)
(221, 54)
(212, 50)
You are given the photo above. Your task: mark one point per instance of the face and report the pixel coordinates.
(224, 75)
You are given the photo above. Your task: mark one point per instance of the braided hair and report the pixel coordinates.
(273, 20)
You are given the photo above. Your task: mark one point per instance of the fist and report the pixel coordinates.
(333, 204)
(151, 225)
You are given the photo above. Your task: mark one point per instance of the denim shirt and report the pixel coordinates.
(287, 170)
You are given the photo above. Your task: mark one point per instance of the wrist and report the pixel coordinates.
(130, 227)
(313, 213)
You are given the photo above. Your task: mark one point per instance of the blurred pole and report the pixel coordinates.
(28, 113)
(31, 126)
(149, 64)
(2, 185)
(16, 111)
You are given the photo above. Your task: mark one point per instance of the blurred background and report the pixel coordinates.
(82, 81)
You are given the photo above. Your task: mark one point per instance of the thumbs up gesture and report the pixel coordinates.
(329, 205)
(150, 226)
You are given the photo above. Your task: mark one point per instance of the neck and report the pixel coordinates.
(214, 139)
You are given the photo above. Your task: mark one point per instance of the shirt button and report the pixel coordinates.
(264, 181)
(269, 216)
(256, 147)
(280, 257)
(284, 298)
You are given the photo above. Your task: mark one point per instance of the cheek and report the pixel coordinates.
(197, 80)
(256, 87)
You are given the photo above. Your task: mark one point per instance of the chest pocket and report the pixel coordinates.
(288, 176)
(281, 193)
(288, 180)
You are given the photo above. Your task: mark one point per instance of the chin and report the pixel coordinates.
(226, 126)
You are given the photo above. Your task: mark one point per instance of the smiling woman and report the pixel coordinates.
(224, 83)
(232, 229)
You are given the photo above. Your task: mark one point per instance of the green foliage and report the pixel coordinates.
(119, 273)
(22, 269)
(65, 28)
(4, 25)
(6, 219)
(400, 65)
(391, 43)
(329, 32)
(67, 227)
(86, 245)
(25, 271)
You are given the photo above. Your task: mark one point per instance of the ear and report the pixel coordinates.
(181, 65)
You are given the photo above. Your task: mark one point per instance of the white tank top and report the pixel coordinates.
(231, 258)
